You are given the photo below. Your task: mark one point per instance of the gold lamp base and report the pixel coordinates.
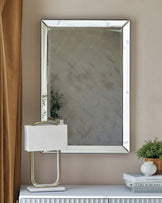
(54, 184)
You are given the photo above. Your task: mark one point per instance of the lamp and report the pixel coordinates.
(45, 137)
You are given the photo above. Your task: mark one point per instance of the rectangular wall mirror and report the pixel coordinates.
(85, 70)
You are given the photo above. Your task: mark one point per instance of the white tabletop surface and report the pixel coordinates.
(89, 191)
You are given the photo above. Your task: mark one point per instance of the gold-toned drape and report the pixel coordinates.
(10, 98)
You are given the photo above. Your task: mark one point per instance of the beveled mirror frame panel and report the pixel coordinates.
(124, 25)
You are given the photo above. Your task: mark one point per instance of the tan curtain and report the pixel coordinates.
(10, 99)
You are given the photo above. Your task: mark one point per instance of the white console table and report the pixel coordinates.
(90, 194)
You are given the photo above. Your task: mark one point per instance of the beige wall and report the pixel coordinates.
(146, 84)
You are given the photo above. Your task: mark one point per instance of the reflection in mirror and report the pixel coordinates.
(85, 81)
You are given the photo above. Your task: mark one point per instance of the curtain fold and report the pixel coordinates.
(10, 98)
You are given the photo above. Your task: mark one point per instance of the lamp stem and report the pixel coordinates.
(54, 184)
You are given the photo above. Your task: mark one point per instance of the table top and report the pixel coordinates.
(89, 191)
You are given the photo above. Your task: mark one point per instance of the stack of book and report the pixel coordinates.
(137, 182)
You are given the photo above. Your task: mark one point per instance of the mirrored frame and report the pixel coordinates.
(124, 25)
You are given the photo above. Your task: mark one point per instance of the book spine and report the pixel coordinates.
(151, 190)
(157, 185)
(142, 179)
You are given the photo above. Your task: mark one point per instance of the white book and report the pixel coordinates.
(144, 184)
(139, 177)
(147, 190)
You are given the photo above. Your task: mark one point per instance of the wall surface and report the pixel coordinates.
(146, 84)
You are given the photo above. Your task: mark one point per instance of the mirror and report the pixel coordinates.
(85, 80)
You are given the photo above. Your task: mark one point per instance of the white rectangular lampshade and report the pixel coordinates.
(45, 137)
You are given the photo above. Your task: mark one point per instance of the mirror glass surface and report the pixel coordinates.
(86, 64)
